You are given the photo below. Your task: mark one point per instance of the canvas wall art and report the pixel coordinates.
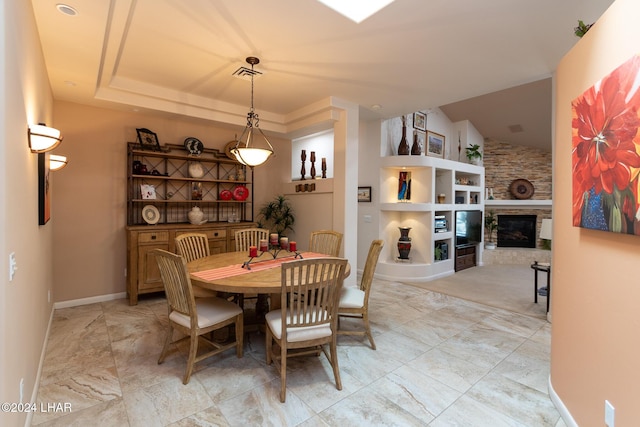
(606, 152)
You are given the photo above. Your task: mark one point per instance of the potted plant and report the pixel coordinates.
(490, 224)
(473, 154)
(277, 216)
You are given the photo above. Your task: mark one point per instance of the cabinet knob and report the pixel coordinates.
(153, 237)
(215, 234)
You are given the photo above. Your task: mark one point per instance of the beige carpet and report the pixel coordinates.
(503, 286)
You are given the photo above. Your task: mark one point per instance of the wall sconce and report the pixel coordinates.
(57, 162)
(43, 138)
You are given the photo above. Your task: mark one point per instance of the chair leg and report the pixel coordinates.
(367, 328)
(334, 363)
(167, 343)
(193, 350)
(283, 371)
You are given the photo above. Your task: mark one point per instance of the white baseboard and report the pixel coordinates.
(90, 300)
(43, 353)
(564, 412)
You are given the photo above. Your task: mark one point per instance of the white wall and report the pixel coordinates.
(24, 309)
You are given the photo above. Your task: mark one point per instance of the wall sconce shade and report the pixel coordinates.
(57, 162)
(246, 151)
(546, 229)
(43, 138)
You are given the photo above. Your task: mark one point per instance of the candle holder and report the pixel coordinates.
(313, 165)
(273, 250)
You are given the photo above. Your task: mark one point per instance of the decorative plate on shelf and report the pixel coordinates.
(226, 195)
(227, 149)
(150, 214)
(240, 193)
(194, 146)
(521, 189)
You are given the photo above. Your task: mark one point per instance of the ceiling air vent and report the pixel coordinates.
(246, 73)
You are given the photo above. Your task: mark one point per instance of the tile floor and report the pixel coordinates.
(441, 361)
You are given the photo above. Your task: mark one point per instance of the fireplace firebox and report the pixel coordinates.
(517, 231)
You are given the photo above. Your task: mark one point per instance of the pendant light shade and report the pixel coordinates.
(253, 147)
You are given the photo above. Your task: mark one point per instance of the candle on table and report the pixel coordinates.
(273, 238)
(284, 242)
(263, 245)
(253, 251)
(292, 246)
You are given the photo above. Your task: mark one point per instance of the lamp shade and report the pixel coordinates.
(43, 138)
(546, 229)
(57, 162)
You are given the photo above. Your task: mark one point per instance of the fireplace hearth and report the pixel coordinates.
(517, 231)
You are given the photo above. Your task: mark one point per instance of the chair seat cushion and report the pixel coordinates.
(351, 297)
(296, 334)
(210, 311)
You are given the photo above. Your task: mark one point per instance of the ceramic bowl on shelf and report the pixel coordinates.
(226, 195)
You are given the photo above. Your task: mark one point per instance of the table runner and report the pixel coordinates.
(237, 270)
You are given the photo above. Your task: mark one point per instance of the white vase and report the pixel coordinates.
(196, 170)
(195, 215)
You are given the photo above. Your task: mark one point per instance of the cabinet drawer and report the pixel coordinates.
(153, 237)
(220, 233)
(212, 234)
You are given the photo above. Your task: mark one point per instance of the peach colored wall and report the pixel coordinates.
(595, 344)
(90, 199)
(24, 310)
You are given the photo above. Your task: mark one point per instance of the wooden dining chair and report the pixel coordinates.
(354, 301)
(244, 239)
(307, 321)
(192, 316)
(194, 246)
(325, 242)
(250, 237)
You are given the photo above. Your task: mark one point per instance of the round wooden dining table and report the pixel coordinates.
(224, 273)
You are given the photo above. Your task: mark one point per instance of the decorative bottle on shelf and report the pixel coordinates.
(403, 148)
(404, 243)
(415, 148)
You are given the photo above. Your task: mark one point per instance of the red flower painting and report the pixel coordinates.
(606, 152)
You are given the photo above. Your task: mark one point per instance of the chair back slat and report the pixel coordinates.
(311, 290)
(325, 242)
(370, 266)
(192, 246)
(250, 237)
(177, 284)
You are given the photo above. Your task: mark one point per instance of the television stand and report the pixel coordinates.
(465, 257)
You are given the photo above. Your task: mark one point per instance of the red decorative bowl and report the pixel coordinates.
(226, 195)
(240, 193)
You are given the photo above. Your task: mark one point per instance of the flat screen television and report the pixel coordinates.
(468, 227)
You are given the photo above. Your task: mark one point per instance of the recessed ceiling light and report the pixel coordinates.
(66, 9)
(356, 10)
(69, 83)
(376, 107)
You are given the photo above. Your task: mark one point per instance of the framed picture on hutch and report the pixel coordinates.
(148, 140)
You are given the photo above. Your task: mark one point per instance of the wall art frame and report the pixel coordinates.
(44, 193)
(435, 145)
(364, 194)
(419, 121)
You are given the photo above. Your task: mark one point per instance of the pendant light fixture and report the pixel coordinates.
(250, 150)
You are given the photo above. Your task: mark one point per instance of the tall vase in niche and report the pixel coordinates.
(403, 148)
(404, 243)
(415, 148)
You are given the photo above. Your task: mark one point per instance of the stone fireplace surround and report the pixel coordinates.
(503, 163)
